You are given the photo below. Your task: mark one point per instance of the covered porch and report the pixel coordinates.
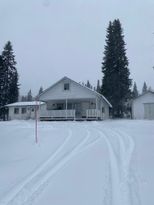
(71, 109)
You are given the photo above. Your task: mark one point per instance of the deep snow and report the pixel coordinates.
(86, 163)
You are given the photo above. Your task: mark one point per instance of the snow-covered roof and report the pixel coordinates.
(32, 103)
(64, 78)
(149, 91)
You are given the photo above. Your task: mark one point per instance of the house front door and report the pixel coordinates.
(78, 110)
(84, 107)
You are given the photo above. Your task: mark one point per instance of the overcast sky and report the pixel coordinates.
(56, 38)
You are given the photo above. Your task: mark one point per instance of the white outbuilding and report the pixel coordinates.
(143, 106)
(23, 110)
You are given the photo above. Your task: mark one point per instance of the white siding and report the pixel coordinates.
(78, 95)
(30, 113)
(138, 105)
(58, 92)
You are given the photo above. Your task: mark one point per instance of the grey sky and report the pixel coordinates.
(53, 38)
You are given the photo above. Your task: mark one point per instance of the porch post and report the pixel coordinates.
(96, 109)
(66, 108)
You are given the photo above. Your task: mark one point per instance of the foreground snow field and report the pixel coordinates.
(77, 163)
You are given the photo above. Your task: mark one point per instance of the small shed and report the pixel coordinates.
(143, 106)
(23, 110)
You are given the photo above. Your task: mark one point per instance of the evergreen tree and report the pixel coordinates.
(11, 87)
(145, 88)
(88, 84)
(135, 92)
(2, 85)
(116, 82)
(29, 96)
(149, 89)
(23, 98)
(98, 89)
(40, 90)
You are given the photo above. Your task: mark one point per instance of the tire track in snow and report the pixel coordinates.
(26, 193)
(21, 186)
(115, 178)
(120, 170)
(126, 151)
(69, 156)
(128, 177)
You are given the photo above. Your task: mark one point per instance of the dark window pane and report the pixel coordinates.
(23, 110)
(66, 86)
(16, 110)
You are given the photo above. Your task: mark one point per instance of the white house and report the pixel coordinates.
(143, 106)
(23, 110)
(67, 99)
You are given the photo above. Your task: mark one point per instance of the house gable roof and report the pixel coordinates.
(82, 86)
(151, 92)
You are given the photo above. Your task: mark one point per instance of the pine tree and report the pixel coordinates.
(88, 84)
(29, 96)
(98, 89)
(11, 87)
(23, 98)
(145, 88)
(40, 90)
(135, 92)
(115, 83)
(2, 85)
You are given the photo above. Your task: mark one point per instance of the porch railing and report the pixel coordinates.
(66, 114)
(58, 113)
(93, 113)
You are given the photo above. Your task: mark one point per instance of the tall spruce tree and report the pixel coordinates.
(116, 82)
(135, 92)
(145, 88)
(98, 89)
(11, 87)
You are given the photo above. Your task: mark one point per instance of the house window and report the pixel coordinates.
(23, 110)
(103, 110)
(66, 86)
(60, 106)
(16, 110)
(69, 106)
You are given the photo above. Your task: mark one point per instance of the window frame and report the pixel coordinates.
(16, 110)
(66, 86)
(23, 109)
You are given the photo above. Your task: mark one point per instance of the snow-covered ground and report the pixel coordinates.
(77, 163)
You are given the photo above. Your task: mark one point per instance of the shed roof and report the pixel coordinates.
(149, 91)
(20, 104)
